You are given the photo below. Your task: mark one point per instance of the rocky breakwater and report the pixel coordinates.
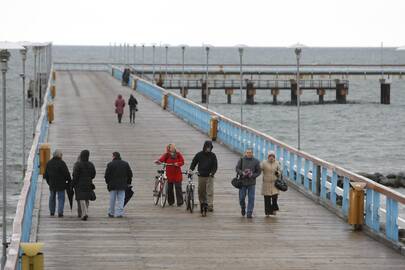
(389, 180)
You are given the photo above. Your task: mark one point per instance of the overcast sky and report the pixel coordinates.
(215, 22)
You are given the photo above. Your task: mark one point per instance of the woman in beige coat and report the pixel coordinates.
(271, 171)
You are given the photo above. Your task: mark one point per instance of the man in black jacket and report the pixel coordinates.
(118, 175)
(207, 167)
(57, 176)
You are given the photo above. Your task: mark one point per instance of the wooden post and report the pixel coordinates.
(250, 93)
(385, 92)
(341, 92)
(274, 93)
(321, 93)
(318, 180)
(229, 93)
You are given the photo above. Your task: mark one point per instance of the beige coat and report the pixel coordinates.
(269, 177)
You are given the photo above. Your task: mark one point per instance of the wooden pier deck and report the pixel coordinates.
(303, 235)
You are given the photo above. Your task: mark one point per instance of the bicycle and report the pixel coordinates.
(161, 188)
(189, 194)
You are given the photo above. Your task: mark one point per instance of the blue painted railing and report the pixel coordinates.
(22, 223)
(308, 173)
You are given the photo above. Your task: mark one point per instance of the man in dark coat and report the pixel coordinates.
(118, 175)
(248, 168)
(207, 167)
(132, 103)
(58, 178)
(83, 175)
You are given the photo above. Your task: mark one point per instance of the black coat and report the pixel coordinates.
(132, 102)
(118, 175)
(83, 174)
(207, 161)
(57, 174)
(248, 164)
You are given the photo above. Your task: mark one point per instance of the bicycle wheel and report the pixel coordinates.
(191, 200)
(187, 198)
(163, 194)
(156, 192)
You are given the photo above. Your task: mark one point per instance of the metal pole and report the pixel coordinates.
(207, 49)
(183, 48)
(143, 58)
(39, 83)
(134, 55)
(298, 54)
(153, 63)
(4, 56)
(24, 58)
(240, 88)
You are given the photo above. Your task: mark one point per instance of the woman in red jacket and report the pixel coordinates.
(174, 160)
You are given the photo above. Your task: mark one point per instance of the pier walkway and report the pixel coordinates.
(303, 235)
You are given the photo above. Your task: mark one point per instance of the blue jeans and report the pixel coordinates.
(52, 201)
(250, 190)
(119, 197)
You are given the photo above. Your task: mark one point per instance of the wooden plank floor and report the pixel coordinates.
(303, 235)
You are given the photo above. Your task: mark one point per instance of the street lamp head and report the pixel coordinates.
(298, 52)
(4, 56)
(23, 53)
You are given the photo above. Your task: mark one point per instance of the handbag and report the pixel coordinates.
(92, 196)
(281, 184)
(237, 180)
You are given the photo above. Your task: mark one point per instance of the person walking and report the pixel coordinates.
(132, 103)
(119, 107)
(83, 175)
(248, 168)
(57, 176)
(174, 160)
(118, 175)
(271, 171)
(207, 167)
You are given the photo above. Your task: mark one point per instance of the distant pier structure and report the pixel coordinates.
(271, 78)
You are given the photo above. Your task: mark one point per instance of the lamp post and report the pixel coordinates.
(34, 91)
(24, 58)
(167, 52)
(143, 58)
(183, 49)
(153, 62)
(241, 82)
(298, 55)
(4, 56)
(207, 49)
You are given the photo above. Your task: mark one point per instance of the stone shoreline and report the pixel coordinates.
(389, 180)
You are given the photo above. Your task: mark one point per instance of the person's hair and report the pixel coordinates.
(57, 153)
(250, 149)
(271, 153)
(117, 155)
(84, 155)
(169, 145)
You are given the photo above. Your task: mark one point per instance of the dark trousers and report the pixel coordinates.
(132, 114)
(179, 193)
(119, 117)
(270, 204)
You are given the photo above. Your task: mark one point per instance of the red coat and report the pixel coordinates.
(119, 105)
(173, 173)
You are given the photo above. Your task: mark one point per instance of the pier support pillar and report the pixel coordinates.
(204, 92)
(183, 92)
(341, 92)
(321, 93)
(274, 93)
(250, 93)
(294, 92)
(229, 93)
(385, 92)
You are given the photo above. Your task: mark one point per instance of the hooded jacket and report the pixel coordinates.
(250, 165)
(119, 105)
(206, 161)
(132, 102)
(83, 174)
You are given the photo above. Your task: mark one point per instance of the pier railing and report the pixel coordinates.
(324, 182)
(25, 206)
